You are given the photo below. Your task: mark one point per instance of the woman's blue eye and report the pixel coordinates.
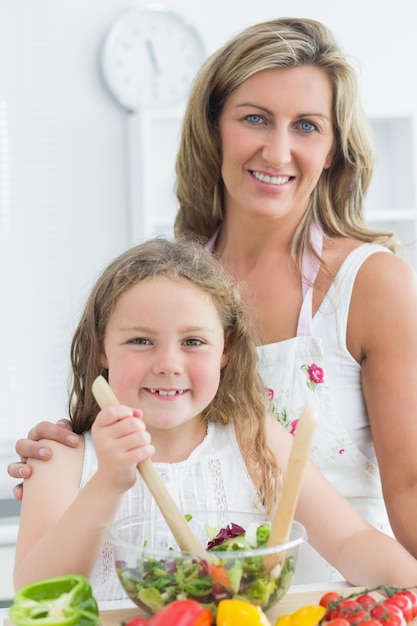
(307, 126)
(254, 119)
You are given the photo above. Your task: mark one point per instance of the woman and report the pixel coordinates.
(274, 163)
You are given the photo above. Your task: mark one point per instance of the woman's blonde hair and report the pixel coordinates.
(241, 398)
(337, 201)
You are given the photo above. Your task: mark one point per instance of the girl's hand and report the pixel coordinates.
(121, 442)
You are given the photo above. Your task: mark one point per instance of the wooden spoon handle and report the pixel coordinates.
(300, 451)
(182, 532)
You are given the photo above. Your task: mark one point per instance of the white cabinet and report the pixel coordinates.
(391, 201)
(152, 138)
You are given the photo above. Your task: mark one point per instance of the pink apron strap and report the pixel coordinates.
(310, 267)
(211, 243)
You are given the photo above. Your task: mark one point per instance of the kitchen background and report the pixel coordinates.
(68, 202)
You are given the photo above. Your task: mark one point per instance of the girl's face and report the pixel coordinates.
(277, 136)
(164, 349)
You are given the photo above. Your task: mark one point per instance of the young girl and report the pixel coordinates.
(166, 326)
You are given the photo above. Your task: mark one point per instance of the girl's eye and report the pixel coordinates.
(307, 127)
(193, 342)
(254, 118)
(141, 341)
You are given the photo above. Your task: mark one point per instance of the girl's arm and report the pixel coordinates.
(382, 336)
(35, 447)
(362, 554)
(61, 528)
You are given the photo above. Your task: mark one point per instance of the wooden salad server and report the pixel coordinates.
(284, 516)
(186, 539)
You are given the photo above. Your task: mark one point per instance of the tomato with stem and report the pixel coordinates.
(388, 614)
(403, 603)
(328, 598)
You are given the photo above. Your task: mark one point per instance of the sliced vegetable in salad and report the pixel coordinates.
(229, 570)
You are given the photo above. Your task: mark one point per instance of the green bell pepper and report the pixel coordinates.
(61, 601)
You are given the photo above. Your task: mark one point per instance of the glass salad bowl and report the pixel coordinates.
(237, 564)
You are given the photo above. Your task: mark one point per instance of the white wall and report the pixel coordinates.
(63, 194)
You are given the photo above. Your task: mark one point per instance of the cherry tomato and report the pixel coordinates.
(413, 597)
(348, 609)
(338, 621)
(371, 622)
(388, 614)
(330, 596)
(380, 612)
(366, 600)
(404, 603)
(354, 616)
(349, 604)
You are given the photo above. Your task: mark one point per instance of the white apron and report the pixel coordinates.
(295, 373)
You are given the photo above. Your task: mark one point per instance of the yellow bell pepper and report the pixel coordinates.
(241, 613)
(308, 615)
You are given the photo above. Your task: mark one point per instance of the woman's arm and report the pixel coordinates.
(382, 335)
(362, 554)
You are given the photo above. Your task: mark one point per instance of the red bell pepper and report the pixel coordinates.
(182, 613)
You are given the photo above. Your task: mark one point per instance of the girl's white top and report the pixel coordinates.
(213, 478)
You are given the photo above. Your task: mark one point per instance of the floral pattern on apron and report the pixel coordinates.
(294, 372)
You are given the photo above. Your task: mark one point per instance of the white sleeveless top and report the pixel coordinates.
(214, 477)
(316, 366)
(343, 372)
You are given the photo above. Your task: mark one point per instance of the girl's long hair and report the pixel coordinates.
(241, 399)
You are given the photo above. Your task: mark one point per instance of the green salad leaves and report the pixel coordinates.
(227, 570)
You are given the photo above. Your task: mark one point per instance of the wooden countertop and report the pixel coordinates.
(124, 610)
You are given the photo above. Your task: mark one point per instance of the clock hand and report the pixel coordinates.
(152, 56)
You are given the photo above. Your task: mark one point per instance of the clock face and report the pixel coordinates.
(150, 58)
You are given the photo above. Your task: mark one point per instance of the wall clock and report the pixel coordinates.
(150, 57)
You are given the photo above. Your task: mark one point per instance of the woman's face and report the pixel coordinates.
(276, 132)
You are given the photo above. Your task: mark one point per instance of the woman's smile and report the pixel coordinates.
(276, 131)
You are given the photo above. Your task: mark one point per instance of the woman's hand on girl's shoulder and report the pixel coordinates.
(33, 447)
